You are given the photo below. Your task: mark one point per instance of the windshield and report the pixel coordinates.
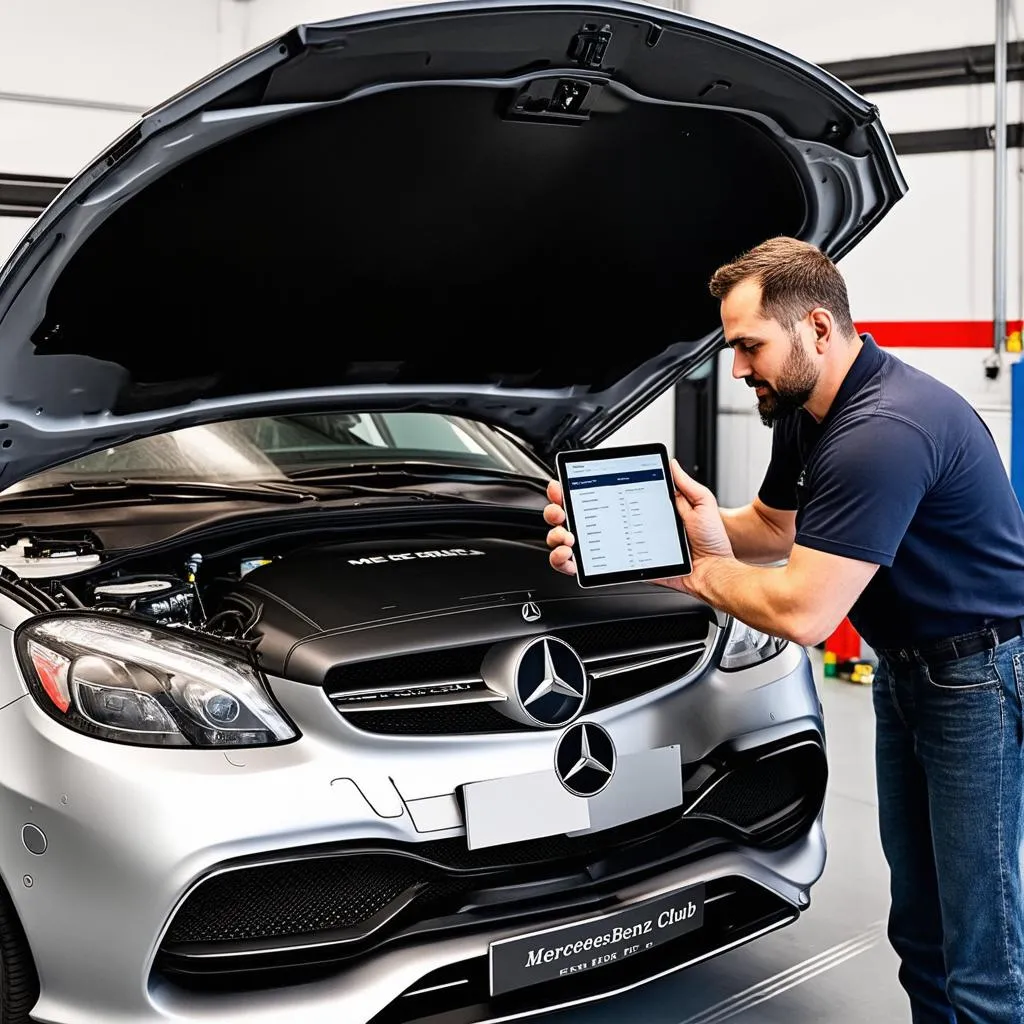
(279, 448)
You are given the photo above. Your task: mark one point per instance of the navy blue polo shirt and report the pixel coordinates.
(903, 472)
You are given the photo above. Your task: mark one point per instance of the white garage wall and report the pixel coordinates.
(51, 139)
(134, 52)
(830, 30)
(12, 229)
(269, 18)
(655, 423)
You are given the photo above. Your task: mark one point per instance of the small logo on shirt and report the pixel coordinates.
(801, 489)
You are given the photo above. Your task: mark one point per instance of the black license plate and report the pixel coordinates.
(571, 949)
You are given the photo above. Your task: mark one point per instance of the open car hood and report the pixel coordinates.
(508, 211)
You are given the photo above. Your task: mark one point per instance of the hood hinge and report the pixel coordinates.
(589, 45)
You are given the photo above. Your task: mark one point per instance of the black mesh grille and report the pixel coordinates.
(294, 898)
(754, 792)
(453, 720)
(421, 667)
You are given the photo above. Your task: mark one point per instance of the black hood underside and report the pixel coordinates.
(547, 255)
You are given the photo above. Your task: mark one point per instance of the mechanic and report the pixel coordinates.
(885, 500)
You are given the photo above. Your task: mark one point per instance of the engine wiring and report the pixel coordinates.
(175, 601)
(27, 593)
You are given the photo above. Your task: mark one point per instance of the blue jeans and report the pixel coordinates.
(949, 755)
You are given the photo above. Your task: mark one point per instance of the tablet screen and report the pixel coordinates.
(623, 515)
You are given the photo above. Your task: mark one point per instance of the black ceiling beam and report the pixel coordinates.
(954, 140)
(27, 195)
(928, 69)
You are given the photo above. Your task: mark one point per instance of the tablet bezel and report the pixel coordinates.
(583, 577)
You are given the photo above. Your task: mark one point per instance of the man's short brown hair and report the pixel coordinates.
(795, 277)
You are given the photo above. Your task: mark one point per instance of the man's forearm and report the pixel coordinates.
(753, 538)
(761, 596)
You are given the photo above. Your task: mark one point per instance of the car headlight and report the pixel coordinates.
(746, 646)
(126, 682)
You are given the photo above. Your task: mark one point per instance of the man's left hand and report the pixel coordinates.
(698, 509)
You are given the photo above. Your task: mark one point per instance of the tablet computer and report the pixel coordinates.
(620, 507)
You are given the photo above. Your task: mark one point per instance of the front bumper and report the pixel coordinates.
(129, 831)
(419, 981)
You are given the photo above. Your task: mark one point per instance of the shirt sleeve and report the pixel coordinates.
(864, 486)
(778, 489)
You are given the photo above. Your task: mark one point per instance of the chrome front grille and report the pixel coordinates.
(442, 692)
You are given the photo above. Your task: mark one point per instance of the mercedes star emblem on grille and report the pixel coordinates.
(531, 612)
(585, 759)
(551, 683)
(541, 680)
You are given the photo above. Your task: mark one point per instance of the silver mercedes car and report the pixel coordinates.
(297, 722)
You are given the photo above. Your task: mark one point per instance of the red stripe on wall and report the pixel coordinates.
(933, 333)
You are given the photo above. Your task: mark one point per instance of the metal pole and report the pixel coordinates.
(70, 101)
(999, 208)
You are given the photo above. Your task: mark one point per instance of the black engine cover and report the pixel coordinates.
(326, 605)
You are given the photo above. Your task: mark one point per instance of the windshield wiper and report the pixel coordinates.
(115, 488)
(414, 470)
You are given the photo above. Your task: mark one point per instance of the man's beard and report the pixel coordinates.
(797, 380)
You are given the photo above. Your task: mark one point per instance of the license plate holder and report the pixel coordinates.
(585, 946)
(515, 808)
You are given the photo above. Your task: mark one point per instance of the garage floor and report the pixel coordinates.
(834, 964)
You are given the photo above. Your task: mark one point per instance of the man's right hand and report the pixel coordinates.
(699, 511)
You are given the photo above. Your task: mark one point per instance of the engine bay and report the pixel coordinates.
(68, 579)
(272, 592)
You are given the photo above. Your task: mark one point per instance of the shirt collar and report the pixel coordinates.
(866, 364)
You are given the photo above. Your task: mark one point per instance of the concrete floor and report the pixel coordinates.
(834, 965)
